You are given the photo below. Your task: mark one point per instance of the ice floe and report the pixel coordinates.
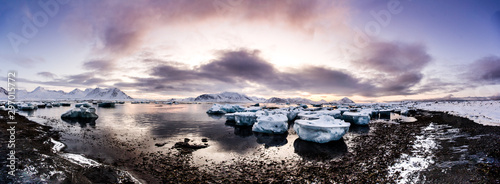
(322, 130)
(271, 124)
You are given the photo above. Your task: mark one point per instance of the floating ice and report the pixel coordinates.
(216, 109)
(222, 109)
(245, 118)
(322, 130)
(332, 113)
(308, 115)
(271, 124)
(359, 118)
(82, 112)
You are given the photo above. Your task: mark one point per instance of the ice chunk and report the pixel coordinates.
(308, 115)
(271, 124)
(359, 118)
(82, 112)
(253, 109)
(216, 109)
(322, 130)
(333, 113)
(245, 118)
(222, 109)
(228, 108)
(230, 117)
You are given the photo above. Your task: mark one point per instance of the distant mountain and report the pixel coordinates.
(3, 93)
(226, 97)
(77, 93)
(41, 93)
(288, 100)
(108, 94)
(345, 100)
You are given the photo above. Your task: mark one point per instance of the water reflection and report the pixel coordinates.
(241, 131)
(30, 113)
(81, 121)
(216, 116)
(359, 129)
(270, 140)
(317, 151)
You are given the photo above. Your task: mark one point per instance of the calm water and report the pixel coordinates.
(140, 126)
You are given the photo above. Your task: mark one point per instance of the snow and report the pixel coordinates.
(322, 130)
(80, 160)
(58, 146)
(81, 112)
(276, 123)
(245, 118)
(482, 112)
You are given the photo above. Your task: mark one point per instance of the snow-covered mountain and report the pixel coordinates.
(3, 93)
(226, 97)
(77, 93)
(41, 93)
(108, 94)
(345, 100)
(288, 100)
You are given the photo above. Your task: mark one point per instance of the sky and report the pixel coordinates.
(367, 50)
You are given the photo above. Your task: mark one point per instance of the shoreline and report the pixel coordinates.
(368, 159)
(40, 159)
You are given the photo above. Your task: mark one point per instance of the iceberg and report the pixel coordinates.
(333, 113)
(230, 117)
(358, 118)
(216, 109)
(82, 112)
(253, 109)
(85, 104)
(308, 115)
(322, 130)
(276, 124)
(245, 118)
(222, 109)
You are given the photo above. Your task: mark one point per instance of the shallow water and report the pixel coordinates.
(141, 126)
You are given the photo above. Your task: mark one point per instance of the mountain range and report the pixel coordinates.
(41, 93)
(226, 97)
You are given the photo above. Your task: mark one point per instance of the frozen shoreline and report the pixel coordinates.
(481, 112)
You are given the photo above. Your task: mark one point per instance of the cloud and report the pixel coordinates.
(47, 74)
(118, 28)
(23, 61)
(238, 69)
(394, 57)
(394, 67)
(99, 65)
(80, 80)
(485, 70)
